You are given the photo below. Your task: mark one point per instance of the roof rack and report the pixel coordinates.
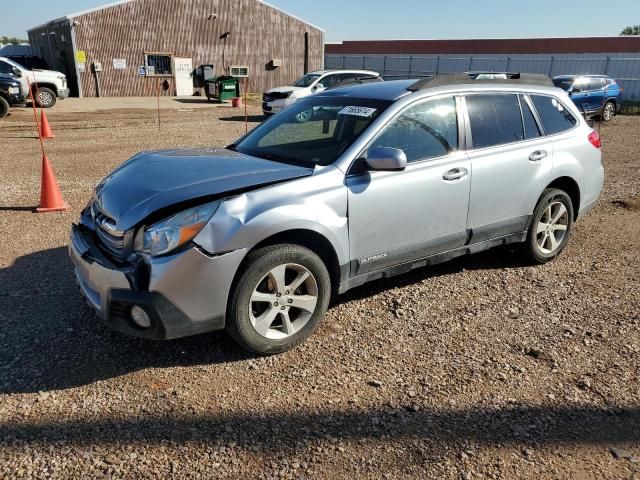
(472, 78)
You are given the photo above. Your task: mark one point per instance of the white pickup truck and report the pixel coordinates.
(50, 85)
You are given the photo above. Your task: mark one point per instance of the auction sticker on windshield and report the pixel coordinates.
(357, 111)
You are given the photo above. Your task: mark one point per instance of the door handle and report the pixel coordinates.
(455, 174)
(537, 156)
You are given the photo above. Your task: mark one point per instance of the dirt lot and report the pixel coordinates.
(480, 368)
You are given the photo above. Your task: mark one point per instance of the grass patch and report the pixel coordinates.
(629, 107)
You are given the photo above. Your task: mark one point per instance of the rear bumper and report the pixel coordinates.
(185, 294)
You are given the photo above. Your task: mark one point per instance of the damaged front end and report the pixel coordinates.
(162, 297)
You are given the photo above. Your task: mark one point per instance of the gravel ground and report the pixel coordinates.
(479, 368)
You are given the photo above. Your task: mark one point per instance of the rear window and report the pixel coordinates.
(563, 83)
(555, 117)
(495, 119)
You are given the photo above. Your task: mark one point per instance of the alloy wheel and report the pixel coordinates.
(609, 111)
(283, 302)
(552, 228)
(304, 116)
(45, 98)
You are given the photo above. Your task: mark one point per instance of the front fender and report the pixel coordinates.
(317, 203)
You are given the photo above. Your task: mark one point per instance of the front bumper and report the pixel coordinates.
(184, 294)
(63, 93)
(16, 99)
(276, 106)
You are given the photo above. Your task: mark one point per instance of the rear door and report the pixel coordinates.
(396, 217)
(511, 163)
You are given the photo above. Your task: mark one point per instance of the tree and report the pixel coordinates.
(632, 30)
(11, 40)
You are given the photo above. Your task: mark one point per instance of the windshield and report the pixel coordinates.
(563, 83)
(307, 80)
(313, 131)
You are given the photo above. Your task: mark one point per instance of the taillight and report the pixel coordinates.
(594, 139)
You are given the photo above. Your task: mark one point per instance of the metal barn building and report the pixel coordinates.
(618, 57)
(127, 48)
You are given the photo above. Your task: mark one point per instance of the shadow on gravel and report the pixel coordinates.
(240, 118)
(505, 257)
(51, 340)
(290, 432)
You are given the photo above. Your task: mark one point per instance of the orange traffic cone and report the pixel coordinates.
(50, 196)
(45, 129)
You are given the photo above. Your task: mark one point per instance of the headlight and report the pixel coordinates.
(61, 77)
(166, 236)
(13, 90)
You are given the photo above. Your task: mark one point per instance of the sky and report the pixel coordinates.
(400, 19)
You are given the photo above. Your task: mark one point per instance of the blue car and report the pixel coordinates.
(594, 95)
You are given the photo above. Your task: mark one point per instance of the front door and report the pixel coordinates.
(183, 71)
(397, 217)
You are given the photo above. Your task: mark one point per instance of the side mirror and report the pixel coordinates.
(17, 72)
(386, 159)
(319, 87)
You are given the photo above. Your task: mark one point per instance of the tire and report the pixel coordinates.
(546, 240)
(4, 107)
(260, 326)
(45, 97)
(608, 111)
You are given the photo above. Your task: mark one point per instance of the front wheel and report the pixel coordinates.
(4, 108)
(279, 299)
(45, 97)
(304, 116)
(608, 111)
(550, 227)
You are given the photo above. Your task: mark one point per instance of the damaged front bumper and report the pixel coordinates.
(183, 294)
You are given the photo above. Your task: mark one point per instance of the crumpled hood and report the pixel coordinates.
(151, 181)
(284, 89)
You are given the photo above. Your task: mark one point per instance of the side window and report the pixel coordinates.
(531, 129)
(495, 119)
(595, 84)
(5, 67)
(426, 130)
(555, 117)
(329, 81)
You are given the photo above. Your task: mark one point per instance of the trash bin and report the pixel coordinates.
(222, 89)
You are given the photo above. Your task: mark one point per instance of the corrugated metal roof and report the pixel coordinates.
(122, 2)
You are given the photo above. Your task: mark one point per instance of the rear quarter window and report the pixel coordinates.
(555, 117)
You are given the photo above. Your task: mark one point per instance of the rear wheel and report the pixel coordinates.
(4, 108)
(45, 97)
(550, 228)
(279, 299)
(608, 111)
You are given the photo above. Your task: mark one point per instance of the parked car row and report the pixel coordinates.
(48, 86)
(594, 95)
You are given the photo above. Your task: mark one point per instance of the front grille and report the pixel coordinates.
(270, 97)
(111, 241)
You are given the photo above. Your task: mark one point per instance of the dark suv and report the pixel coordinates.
(594, 95)
(10, 94)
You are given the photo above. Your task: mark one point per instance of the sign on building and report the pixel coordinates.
(120, 63)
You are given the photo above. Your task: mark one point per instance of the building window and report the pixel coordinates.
(158, 64)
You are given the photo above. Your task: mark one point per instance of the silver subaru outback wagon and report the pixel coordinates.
(372, 181)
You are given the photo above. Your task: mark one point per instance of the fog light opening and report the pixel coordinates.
(140, 317)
